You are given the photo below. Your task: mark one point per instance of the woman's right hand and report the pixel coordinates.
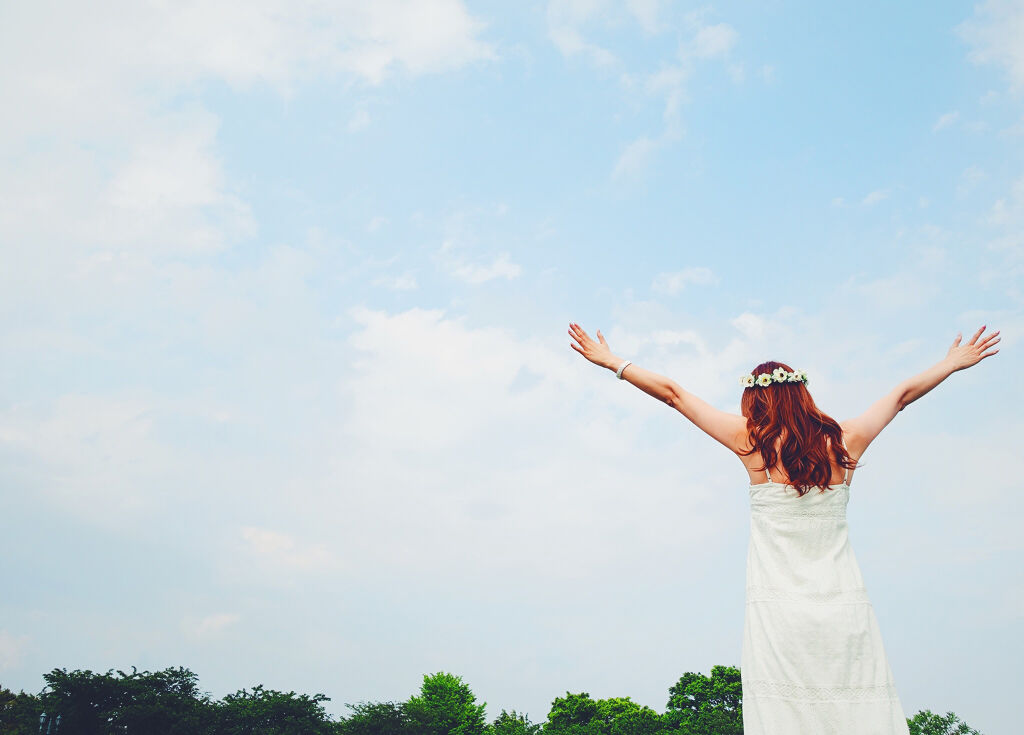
(963, 356)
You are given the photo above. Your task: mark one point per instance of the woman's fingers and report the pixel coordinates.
(994, 336)
(976, 335)
(578, 334)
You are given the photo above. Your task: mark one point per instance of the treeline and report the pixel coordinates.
(169, 702)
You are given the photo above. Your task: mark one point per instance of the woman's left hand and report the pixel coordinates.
(597, 352)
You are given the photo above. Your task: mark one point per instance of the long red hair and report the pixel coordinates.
(787, 410)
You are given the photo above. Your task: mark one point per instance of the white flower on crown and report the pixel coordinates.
(779, 375)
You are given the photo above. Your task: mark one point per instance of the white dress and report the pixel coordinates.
(812, 661)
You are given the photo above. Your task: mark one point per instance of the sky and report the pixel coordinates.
(286, 389)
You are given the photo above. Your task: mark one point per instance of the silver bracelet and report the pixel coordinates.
(618, 373)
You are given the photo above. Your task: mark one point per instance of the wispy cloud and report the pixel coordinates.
(945, 120)
(209, 625)
(676, 281)
(12, 649)
(995, 34)
(282, 550)
(875, 197)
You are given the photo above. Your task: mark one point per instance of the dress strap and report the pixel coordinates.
(768, 473)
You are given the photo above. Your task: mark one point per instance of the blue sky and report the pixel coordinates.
(287, 395)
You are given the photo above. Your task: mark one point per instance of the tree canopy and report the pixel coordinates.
(169, 702)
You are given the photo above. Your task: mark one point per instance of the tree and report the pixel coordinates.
(164, 702)
(926, 722)
(19, 713)
(579, 714)
(707, 705)
(376, 718)
(512, 723)
(270, 712)
(446, 706)
(573, 714)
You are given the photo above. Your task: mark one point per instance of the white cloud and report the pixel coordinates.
(12, 649)
(459, 255)
(749, 325)
(669, 83)
(566, 19)
(969, 179)
(500, 267)
(209, 625)
(995, 34)
(875, 197)
(635, 157)
(647, 14)
(360, 120)
(451, 400)
(710, 42)
(676, 281)
(402, 282)
(1009, 210)
(131, 160)
(945, 120)
(100, 452)
(283, 551)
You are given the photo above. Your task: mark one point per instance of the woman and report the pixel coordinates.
(812, 660)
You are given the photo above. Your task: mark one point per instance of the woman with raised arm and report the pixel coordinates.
(812, 660)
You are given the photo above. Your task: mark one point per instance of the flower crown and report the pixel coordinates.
(778, 375)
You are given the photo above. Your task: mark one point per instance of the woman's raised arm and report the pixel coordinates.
(724, 427)
(863, 429)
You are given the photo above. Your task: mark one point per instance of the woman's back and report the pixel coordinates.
(813, 659)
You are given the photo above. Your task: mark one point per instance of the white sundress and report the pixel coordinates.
(812, 661)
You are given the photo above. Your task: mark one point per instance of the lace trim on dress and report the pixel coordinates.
(828, 513)
(856, 596)
(796, 692)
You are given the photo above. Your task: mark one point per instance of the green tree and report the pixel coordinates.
(573, 714)
(579, 714)
(446, 706)
(512, 723)
(270, 712)
(707, 705)
(164, 702)
(376, 718)
(19, 713)
(926, 722)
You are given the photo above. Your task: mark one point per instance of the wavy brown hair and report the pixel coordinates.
(787, 410)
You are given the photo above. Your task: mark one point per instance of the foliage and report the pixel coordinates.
(270, 712)
(926, 722)
(19, 713)
(165, 702)
(445, 706)
(169, 702)
(377, 718)
(707, 705)
(579, 714)
(513, 723)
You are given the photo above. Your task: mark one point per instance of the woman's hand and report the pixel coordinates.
(963, 356)
(597, 352)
